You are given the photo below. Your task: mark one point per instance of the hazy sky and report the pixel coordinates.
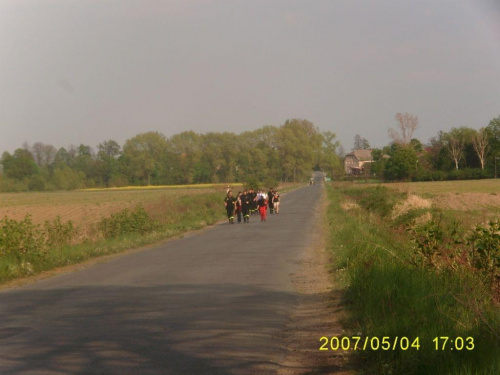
(85, 71)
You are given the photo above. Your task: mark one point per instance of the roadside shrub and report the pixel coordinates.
(58, 233)
(21, 238)
(439, 246)
(433, 242)
(126, 221)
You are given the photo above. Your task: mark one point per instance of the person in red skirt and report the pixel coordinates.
(262, 202)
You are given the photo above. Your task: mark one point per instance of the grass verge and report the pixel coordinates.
(388, 297)
(27, 249)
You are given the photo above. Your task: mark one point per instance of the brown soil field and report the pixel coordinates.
(488, 186)
(86, 207)
(456, 195)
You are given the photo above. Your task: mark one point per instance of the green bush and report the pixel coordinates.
(484, 249)
(21, 238)
(125, 221)
(58, 233)
(466, 174)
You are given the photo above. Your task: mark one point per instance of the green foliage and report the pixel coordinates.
(19, 165)
(37, 183)
(27, 248)
(439, 246)
(467, 174)
(387, 295)
(273, 153)
(252, 183)
(66, 178)
(125, 221)
(24, 240)
(144, 157)
(377, 199)
(58, 233)
(484, 248)
(402, 164)
(9, 185)
(432, 241)
(21, 238)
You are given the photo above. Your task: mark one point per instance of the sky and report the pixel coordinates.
(86, 71)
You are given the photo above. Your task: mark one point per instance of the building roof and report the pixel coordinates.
(362, 155)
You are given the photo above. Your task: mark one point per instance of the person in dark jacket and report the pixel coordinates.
(230, 204)
(270, 200)
(246, 203)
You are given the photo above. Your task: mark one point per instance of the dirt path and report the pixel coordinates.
(319, 312)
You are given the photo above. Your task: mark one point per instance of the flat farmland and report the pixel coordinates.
(434, 188)
(479, 198)
(86, 207)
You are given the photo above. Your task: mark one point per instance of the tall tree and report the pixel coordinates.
(360, 143)
(19, 165)
(493, 130)
(480, 143)
(185, 148)
(297, 140)
(106, 163)
(455, 142)
(407, 124)
(330, 161)
(143, 157)
(402, 164)
(63, 157)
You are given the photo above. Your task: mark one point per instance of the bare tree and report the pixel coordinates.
(480, 143)
(455, 148)
(407, 124)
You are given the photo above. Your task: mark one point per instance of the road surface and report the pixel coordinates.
(213, 302)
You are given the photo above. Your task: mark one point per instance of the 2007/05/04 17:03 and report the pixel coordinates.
(345, 343)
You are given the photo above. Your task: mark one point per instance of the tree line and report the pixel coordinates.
(461, 153)
(267, 155)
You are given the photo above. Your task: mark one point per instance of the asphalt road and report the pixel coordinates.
(213, 302)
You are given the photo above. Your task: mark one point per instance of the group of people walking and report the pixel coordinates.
(249, 202)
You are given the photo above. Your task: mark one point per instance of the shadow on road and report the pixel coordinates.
(175, 329)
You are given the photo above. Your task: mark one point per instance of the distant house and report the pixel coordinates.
(354, 161)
